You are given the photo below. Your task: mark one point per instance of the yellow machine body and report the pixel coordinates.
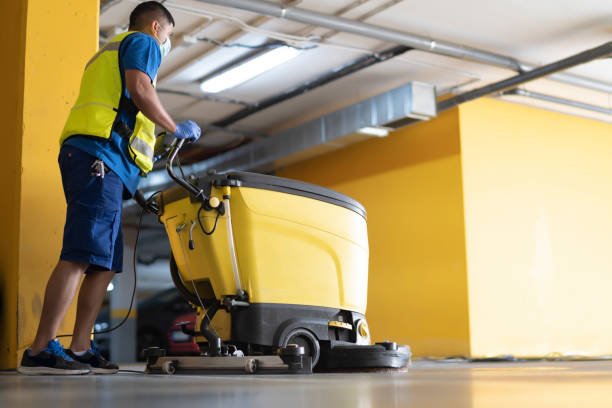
(290, 249)
(286, 262)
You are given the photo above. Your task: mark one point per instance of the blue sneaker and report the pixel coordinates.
(97, 362)
(52, 360)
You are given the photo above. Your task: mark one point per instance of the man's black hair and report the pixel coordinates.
(146, 11)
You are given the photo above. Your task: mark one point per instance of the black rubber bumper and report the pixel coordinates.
(380, 355)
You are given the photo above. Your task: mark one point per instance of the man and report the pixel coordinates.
(106, 146)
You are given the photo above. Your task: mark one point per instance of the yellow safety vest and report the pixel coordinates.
(95, 111)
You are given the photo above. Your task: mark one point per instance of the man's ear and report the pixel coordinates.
(154, 27)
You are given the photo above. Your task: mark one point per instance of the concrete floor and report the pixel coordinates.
(425, 384)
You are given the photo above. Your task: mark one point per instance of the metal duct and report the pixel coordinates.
(398, 37)
(416, 100)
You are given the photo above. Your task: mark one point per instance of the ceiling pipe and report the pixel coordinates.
(335, 74)
(368, 30)
(557, 100)
(351, 7)
(589, 55)
(399, 37)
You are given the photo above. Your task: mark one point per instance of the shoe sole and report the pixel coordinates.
(50, 371)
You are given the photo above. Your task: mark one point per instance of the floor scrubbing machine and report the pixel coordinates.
(278, 272)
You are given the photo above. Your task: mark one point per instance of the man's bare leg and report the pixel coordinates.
(91, 296)
(60, 291)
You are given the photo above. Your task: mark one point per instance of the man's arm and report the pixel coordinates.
(144, 96)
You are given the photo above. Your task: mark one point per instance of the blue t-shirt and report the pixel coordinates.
(138, 51)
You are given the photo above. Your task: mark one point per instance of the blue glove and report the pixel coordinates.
(188, 130)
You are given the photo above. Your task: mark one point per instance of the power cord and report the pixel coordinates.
(202, 225)
(131, 371)
(178, 162)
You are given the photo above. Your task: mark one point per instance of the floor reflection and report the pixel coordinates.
(425, 384)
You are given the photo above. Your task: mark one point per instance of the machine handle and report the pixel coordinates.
(176, 146)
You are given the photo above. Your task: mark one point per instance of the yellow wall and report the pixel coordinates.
(490, 230)
(410, 184)
(538, 211)
(51, 46)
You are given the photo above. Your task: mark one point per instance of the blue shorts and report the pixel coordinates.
(92, 233)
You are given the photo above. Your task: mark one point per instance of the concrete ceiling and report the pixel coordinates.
(534, 32)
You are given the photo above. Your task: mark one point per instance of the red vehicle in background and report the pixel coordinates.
(180, 343)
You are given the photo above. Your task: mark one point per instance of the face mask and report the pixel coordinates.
(165, 47)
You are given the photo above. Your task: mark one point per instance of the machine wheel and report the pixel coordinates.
(305, 338)
(187, 294)
(168, 367)
(251, 365)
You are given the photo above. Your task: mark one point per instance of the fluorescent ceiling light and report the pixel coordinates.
(249, 70)
(378, 131)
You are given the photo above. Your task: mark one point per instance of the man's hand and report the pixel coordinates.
(188, 130)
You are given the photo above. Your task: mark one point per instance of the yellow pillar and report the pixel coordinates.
(538, 217)
(47, 50)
